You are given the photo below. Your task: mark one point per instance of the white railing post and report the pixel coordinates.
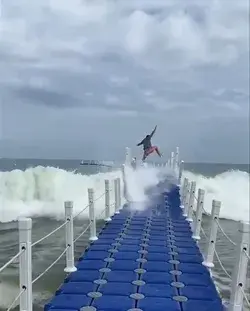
(25, 264)
(191, 202)
(172, 160)
(70, 262)
(239, 276)
(208, 262)
(181, 169)
(134, 163)
(125, 189)
(116, 186)
(92, 219)
(176, 160)
(128, 156)
(184, 191)
(186, 202)
(198, 218)
(119, 192)
(107, 201)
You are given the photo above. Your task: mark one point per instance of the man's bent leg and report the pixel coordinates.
(147, 153)
(144, 156)
(157, 151)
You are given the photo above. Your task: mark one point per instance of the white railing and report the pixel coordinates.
(193, 209)
(194, 216)
(25, 295)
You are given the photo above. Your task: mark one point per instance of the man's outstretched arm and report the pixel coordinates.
(140, 143)
(153, 131)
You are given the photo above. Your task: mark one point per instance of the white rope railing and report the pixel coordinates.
(81, 234)
(16, 299)
(224, 233)
(238, 278)
(204, 234)
(79, 213)
(221, 264)
(101, 214)
(216, 254)
(245, 252)
(11, 260)
(50, 266)
(50, 234)
(87, 206)
(8, 264)
(245, 296)
(69, 245)
(86, 229)
(203, 209)
(187, 195)
(104, 210)
(25, 243)
(239, 286)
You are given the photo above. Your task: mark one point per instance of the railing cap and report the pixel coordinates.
(68, 204)
(244, 227)
(24, 223)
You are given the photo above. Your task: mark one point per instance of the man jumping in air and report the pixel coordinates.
(147, 146)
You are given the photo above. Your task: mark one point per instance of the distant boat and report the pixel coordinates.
(97, 163)
(89, 162)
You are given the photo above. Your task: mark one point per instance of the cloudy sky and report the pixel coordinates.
(85, 79)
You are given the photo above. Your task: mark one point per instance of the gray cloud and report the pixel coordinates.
(96, 73)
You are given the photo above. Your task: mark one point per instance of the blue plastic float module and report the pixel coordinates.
(142, 261)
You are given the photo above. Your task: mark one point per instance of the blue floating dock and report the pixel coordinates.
(142, 261)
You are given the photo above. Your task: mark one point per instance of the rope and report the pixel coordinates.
(245, 296)
(243, 292)
(111, 205)
(100, 197)
(82, 232)
(80, 235)
(223, 268)
(217, 256)
(101, 213)
(52, 232)
(46, 270)
(11, 260)
(225, 271)
(246, 254)
(81, 211)
(203, 209)
(204, 233)
(17, 297)
(88, 206)
(224, 233)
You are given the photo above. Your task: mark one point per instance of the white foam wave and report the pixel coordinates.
(141, 179)
(231, 188)
(41, 191)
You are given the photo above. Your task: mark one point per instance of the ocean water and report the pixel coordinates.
(38, 188)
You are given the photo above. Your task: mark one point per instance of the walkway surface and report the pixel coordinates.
(145, 260)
